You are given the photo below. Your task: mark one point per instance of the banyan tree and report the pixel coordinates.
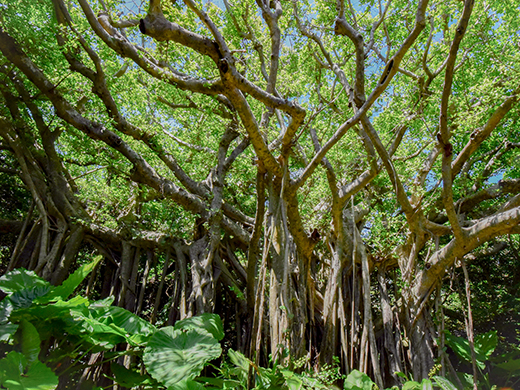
(311, 171)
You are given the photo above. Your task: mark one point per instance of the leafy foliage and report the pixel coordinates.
(253, 159)
(485, 344)
(96, 326)
(16, 373)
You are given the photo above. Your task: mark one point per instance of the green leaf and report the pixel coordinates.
(208, 321)
(58, 310)
(358, 380)
(63, 291)
(426, 384)
(219, 383)
(459, 345)
(20, 300)
(102, 303)
(7, 331)
(411, 385)
(186, 385)
(138, 330)
(444, 383)
(314, 383)
(93, 327)
(15, 376)
(216, 382)
(511, 365)
(6, 308)
(30, 341)
(102, 323)
(292, 380)
(21, 279)
(466, 380)
(12, 365)
(173, 355)
(126, 377)
(241, 365)
(485, 344)
(239, 360)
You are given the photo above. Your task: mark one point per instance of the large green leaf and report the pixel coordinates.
(357, 380)
(137, 329)
(484, 344)
(126, 377)
(292, 380)
(58, 310)
(459, 345)
(411, 385)
(6, 308)
(426, 384)
(208, 321)
(510, 365)
(30, 341)
(466, 380)
(7, 331)
(212, 383)
(444, 383)
(104, 324)
(186, 385)
(239, 360)
(16, 376)
(314, 383)
(101, 341)
(20, 300)
(173, 355)
(103, 303)
(21, 279)
(240, 366)
(72, 317)
(50, 318)
(63, 291)
(93, 327)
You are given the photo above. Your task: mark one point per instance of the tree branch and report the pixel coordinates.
(444, 135)
(484, 230)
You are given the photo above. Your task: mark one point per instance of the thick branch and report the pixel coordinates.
(482, 133)
(271, 18)
(343, 28)
(123, 47)
(444, 135)
(500, 189)
(158, 27)
(486, 229)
